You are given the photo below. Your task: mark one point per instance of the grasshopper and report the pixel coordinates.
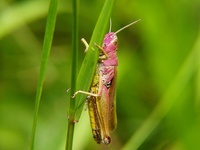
(101, 98)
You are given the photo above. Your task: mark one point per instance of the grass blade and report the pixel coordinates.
(183, 76)
(51, 20)
(86, 73)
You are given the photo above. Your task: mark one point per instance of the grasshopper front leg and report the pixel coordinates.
(103, 51)
(99, 47)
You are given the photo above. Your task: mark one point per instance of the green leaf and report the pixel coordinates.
(88, 67)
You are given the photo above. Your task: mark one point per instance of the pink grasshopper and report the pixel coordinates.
(101, 98)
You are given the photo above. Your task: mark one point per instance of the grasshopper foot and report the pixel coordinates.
(86, 45)
(68, 90)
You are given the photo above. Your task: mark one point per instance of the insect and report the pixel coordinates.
(101, 97)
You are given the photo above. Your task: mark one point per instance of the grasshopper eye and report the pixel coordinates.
(115, 42)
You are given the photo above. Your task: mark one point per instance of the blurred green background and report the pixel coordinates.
(158, 89)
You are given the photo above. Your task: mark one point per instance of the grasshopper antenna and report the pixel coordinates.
(127, 26)
(110, 25)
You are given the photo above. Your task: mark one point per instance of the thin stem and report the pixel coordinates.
(70, 132)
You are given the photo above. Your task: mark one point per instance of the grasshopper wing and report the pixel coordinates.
(112, 97)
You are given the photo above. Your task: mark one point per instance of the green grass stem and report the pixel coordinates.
(70, 132)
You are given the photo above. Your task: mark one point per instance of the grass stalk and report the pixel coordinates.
(70, 132)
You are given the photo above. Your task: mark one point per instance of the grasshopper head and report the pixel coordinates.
(110, 42)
